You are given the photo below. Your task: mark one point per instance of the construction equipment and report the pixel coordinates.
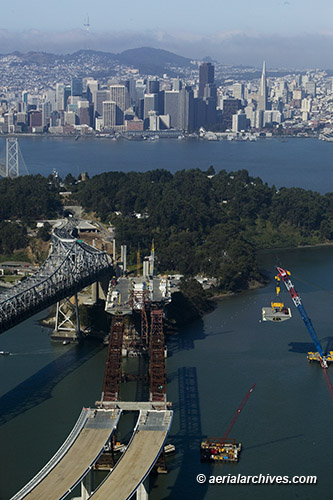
(277, 312)
(284, 275)
(224, 449)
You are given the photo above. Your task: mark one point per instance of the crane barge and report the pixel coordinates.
(224, 449)
(323, 359)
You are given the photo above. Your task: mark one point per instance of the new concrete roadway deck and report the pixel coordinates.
(142, 452)
(75, 458)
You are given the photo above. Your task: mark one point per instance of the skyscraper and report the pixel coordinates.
(76, 86)
(171, 107)
(262, 98)
(206, 75)
(117, 94)
(109, 114)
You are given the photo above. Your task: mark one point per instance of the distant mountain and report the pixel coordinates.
(153, 61)
(146, 59)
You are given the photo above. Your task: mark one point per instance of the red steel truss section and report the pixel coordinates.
(112, 373)
(157, 358)
(144, 326)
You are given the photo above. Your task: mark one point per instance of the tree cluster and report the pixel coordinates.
(206, 223)
(27, 198)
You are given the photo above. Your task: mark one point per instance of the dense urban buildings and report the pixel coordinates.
(201, 99)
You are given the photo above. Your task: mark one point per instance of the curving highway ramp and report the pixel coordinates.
(142, 452)
(75, 458)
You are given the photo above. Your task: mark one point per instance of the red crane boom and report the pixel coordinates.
(239, 409)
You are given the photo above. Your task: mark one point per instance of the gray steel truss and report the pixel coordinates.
(70, 266)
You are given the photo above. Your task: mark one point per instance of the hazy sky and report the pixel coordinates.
(292, 32)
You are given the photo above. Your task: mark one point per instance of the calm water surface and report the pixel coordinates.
(292, 162)
(285, 426)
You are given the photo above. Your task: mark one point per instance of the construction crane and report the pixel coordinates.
(284, 276)
(224, 450)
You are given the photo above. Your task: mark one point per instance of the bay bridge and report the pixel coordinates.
(71, 266)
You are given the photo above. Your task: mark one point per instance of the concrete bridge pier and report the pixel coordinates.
(67, 322)
(87, 485)
(142, 491)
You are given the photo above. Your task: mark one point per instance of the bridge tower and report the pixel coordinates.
(12, 158)
(12, 163)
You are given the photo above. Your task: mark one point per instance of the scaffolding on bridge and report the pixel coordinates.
(157, 357)
(112, 375)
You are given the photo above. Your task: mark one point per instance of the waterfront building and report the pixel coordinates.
(109, 114)
(239, 122)
(70, 118)
(186, 109)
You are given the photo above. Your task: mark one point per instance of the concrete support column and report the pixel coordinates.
(94, 291)
(87, 485)
(142, 491)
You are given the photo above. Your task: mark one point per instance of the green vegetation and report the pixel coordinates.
(28, 198)
(206, 223)
(12, 237)
(201, 222)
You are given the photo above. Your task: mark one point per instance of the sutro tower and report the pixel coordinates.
(262, 101)
(87, 24)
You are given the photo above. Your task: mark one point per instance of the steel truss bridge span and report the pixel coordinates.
(71, 266)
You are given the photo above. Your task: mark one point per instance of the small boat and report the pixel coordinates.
(65, 342)
(4, 353)
(169, 449)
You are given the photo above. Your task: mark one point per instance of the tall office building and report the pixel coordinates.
(206, 75)
(46, 113)
(100, 97)
(153, 86)
(238, 90)
(262, 97)
(109, 114)
(92, 87)
(186, 109)
(118, 95)
(171, 107)
(76, 86)
(150, 103)
(60, 96)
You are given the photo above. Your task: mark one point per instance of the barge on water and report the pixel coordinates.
(213, 451)
(315, 356)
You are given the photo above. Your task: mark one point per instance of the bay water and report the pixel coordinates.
(285, 427)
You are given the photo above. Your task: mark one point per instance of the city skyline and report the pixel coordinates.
(288, 33)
